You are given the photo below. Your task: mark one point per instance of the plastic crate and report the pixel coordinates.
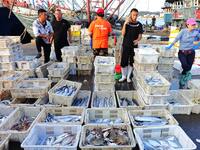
(11, 50)
(165, 67)
(147, 56)
(104, 64)
(63, 100)
(106, 113)
(155, 113)
(57, 79)
(5, 94)
(62, 111)
(41, 131)
(23, 102)
(151, 99)
(194, 84)
(70, 50)
(30, 112)
(166, 60)
(111, 147)
(85, 57)
(84, 72)
(31, 88)
(44, 102)
(28, 63)
(129, 95)
(183, 107)
(9, 58)
(58, 69)
(144, 67)
(103, 86)
(83, 94)
(4, 145)
(104, 78)
(7, 82)
(85, 66)
(157, 89)
(69, 59)
(42, 71)
(11, 66)
(7, 41)
(163, 52)
(161, 132)
(103, 94)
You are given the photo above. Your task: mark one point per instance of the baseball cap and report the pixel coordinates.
(100, 11)
(191, 21)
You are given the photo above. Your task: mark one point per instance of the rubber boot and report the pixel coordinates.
(182, 82)
(124, 72)
(130, 69)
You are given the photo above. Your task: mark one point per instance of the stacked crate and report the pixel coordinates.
(166, 61)
(85, 62)
(10, 51)
(69, 55)
(104, 73)
(58, 71)
(76, 34)
(85, 37)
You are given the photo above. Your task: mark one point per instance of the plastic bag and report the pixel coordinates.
(52, 54)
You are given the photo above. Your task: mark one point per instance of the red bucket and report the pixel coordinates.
(118, 69)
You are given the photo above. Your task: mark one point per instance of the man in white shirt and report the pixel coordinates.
(43, 32)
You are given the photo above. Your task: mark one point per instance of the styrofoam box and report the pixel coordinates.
(70, 50)
(35, 88)
(58, 69)
(130, 95)
(103, 94)
(161, 132)
(62, 111)
(104, 64)
(151, 99)
(83, 94)
(7, 66)
(41, 131)
(183, 107)
(111, 147)
(154, 89)
(147, 55)
(154, 113)
(194, 84)
(63, 100)
(31, 112)
(104, 78)
(106, 113)
(192, 96)
(103, 86)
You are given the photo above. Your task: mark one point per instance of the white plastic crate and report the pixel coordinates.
(70, 50)
(144, 67)
(166, 60)
(69, 59)
(155, 113)
(63, 100)
(9, 58)
(85, 57)
(12, 50)
(62, 111)
(57, 79)
(103, 86)
(111, 147)
(42, 71)
(104, 94)
(28, 63)
(7, 81)
(83, 94)
(147, 55)
(58, 69)
(104, 64)
(41, 131)
(163, 52)
(24, 102)
(7, 41)
(178, 104)
(85, 66)
(30, 112)
(162, 132)
(44, 102)
(161, 89)
(130, 95)
(31, 88)
(165, 67)
(151, 99)
(4, 145)
(7, 66)
(194, 84)
(104, 78)
(106, 113)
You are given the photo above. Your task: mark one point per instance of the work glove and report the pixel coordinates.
(196, 46)
(168, 47)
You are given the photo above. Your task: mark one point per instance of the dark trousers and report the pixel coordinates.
(100, 52)
(58, 52)
(46, 47)
(186, 58)
(127, 55)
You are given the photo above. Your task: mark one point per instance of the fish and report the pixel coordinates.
(2, 118)
(106, 136)
(149, 121)
(103, 102)
(5, 102)
(153, 81)
(106, 121)
(128, 102)
(173, 101)
(81, 102)
(163, 143)
(23, 124)
(65, 118)
(66, 90)
(65, 139)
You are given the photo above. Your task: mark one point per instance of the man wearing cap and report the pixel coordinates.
(100, 29)
(186, 54)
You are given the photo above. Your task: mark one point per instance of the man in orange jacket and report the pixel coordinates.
(100, 29)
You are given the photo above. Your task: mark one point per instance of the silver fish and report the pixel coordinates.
(127, 102)
(154, 81)
(5, 102)
(103, 102)
(106, 121)
(2, 118)
(66, 90)
(65, 118)
(82, 102)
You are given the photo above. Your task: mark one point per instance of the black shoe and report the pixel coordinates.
(38, 55)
